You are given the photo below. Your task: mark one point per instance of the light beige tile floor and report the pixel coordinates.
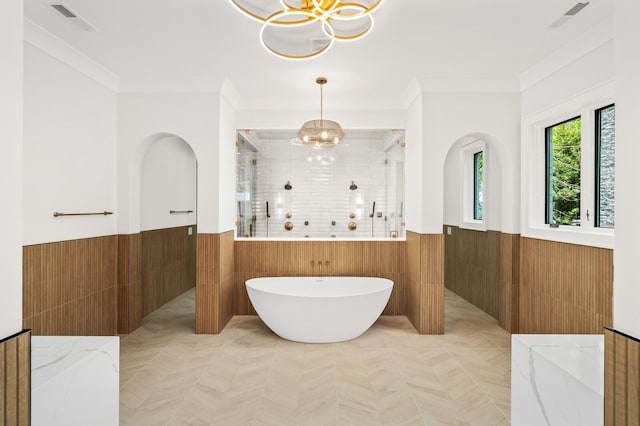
(248, 376)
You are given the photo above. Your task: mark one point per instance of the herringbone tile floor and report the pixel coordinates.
(249, 376)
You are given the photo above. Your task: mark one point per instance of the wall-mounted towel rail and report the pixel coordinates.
(57, 214)
(180, 211)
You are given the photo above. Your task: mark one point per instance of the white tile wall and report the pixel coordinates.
(321, 194)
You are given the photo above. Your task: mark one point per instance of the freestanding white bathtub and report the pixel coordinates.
(319, 309)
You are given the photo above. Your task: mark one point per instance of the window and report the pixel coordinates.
(477, 184)
(563, 158)
(605, 166)
(473, 171)
(568, 170)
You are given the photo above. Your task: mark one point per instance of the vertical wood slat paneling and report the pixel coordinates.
(69, 287)
(425, 282)
(509, 282)
(473, 267)
(168, 267)
(384, 259)
(214, 282)
(15, 379)
(129, 283)
(622, 379)
(564, 288)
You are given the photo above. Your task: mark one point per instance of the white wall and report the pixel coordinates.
(495, 118)
(581, 75)
(69, 151)
(626, 286)
(11, 83)
(579, 85)
(168, 182)
(146, 118)
(492, 184)
(227, 164)
(293, 119)
(414, 177)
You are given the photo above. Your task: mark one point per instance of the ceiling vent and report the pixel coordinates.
(569, 14)
(72, 17)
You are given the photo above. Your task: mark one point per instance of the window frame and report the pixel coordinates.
(475, 186)
(597, 164)
(547, 175)
(534, 184)
(467, 172)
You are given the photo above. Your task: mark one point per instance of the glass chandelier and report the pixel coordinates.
(304, 29)
(321, 133)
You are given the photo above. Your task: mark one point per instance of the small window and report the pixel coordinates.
(477, 185)
(562, 142)
(605, 166)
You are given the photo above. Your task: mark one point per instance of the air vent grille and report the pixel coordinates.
(576, 9)
(568, 15)
(64, 11)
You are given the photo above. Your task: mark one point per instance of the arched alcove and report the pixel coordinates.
(168, 185)
(473, 243)
(157, 261)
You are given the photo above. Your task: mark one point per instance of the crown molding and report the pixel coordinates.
(570, 52)
(52, 45)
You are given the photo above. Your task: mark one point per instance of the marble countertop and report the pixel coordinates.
(580, 355)
(75, 380)
(52, 355)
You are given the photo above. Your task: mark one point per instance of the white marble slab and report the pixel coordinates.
(557, 379)
(75, 380)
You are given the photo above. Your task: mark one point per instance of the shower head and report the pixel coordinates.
(288, 186)
(353, 186)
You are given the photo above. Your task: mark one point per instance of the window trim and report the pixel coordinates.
(467, 190)
(533, 159)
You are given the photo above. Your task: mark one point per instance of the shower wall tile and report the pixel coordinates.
(321, 194)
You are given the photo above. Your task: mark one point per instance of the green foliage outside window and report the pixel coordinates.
(563, 173)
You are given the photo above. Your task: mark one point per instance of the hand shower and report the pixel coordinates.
(268, 216)
(373, 212)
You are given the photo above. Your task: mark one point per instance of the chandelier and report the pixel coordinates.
(304, 29)
(321, 133)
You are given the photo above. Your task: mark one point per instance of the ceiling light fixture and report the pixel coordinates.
(304, 29)
(321, 133)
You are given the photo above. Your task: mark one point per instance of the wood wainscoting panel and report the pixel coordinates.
(129, 283)
(473, 266)
(621, 379)
(69, 287)
(214, 282)
(425, 282)
(509, 282)
(15, 379)
(168, 265)
(564, 288)
(255, 259)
